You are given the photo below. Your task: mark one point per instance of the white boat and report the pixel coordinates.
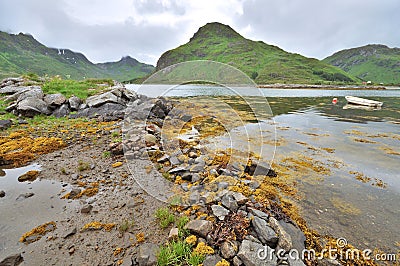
(362, 101)
(361, 107)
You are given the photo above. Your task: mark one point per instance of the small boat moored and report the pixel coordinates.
(362, 101)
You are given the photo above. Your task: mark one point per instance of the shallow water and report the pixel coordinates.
(19, 215)
(345, 139)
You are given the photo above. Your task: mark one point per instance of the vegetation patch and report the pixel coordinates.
(98, 226)
(36, 233)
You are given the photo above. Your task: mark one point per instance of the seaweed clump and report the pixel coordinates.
(36, 233)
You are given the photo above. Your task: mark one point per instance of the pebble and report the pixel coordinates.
(2, 193)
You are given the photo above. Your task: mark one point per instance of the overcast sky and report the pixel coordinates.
(106, 30)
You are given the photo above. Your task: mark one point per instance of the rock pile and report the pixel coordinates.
(29, 101)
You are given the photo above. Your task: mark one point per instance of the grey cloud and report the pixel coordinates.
(318, 28)
(158, 6)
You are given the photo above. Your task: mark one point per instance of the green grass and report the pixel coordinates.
(81, 89)
(83, 166)
(106, 154)
(125, 225)
(165, 217)
(178, 253)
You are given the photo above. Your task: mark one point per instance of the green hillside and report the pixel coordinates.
(20, 54)
(376, 63)
(264, 63)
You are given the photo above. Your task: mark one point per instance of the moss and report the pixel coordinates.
(203, 249)
(98, 226)
(191, 240)
(29, 176)
(37, 232)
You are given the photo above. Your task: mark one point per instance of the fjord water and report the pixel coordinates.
(358, 199)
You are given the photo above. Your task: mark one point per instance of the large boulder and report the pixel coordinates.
(108, 97)
(107, 112)
(255, 254)
(54, 99)
(74, 102)
(12, 89)
(32, 92)
(61, 111)
(32, 106)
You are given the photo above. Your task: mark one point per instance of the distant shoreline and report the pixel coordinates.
(320, 87)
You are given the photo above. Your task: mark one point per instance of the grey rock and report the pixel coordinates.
(229, 202)
(228, 249)
(254, 184)
(127, 261)
(33, 92)
(69, 232)
(147, 254)
(4, 124)
(74, 103)
(259, 214)
(240, 198)
(194, 197)
(54, 99)
(107, 97)
(2, 193)
(299, 262)
(285, 241)
(25, 195)
(74, 192)
(195, 177)
(259, 168)
(251, 254)
(163, 158)
(197, 168)
(219, 211)
(173, 234)
(174, 160)
(237, 262)
(297, 236)
(62, 111)
(177, 170)
(108, 112)
(12, 260)
(86, 208)
(252, 239)
(265, 233)
(211, 260)
(199, 227)
(13, 89)
(32, 106)
(223, 185)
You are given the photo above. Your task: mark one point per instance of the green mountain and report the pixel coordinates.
(374, 62)
(20, 54)
(264, 63)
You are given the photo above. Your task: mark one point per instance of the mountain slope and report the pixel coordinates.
(266, 63)
(21, 53)
(377, 63)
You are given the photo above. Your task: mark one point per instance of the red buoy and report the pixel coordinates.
(334, 100)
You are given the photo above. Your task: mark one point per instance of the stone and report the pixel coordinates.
(228, 249)
(328, 262)
(32, 106)
(74, 103)
(54, 99)
(219, 211)
(259, 214)
(74, 192)
(12, 260)
(195, 177)
(127, 261)
(285, 241)
(2, 193)
(173, 234)
(69, 232)
(174, 160)
(223, 185)
(105, 112)
(254, 184)
(265, 233)
(297, 236)
(28, 176)
(252, 254)
(211, 260)
(25, 195)
(13, 89)
(33, 92)
(86, 208)
(62, 111)
(150, 140)
(199, 227)
(229, 202)
(163, 158)
(147, 255)
(197, 168)
(240, 198)
(107, 97)
(192, 154)
(5, 123)
(236, 261)
(259, 168)
(177, 170)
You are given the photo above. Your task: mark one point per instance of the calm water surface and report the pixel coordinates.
(359, 140)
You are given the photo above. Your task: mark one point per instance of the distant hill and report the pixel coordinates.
(373, 62)
(21, 53)
(264, 63)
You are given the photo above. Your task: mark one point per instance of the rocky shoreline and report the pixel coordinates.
(115, 222)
